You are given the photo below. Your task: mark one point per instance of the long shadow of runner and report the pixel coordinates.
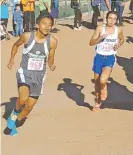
(73, 91)
(9, 106)
(127, 64)
(119, 97)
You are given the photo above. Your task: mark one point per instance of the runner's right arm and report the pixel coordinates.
(96, 38)
(23, 39)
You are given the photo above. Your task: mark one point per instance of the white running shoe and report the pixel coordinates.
(75, 29)
(80, 28)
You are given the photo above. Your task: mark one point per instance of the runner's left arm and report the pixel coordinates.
(53, 44)
(121, 37)
(121, 40)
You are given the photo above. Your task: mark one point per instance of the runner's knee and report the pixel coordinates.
(22, 100)
(103, 81)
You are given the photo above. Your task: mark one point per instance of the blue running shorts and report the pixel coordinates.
(101, 61)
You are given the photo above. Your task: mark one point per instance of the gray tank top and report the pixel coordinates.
(35, 54)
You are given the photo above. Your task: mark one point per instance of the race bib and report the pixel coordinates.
(106, 47)
(35, 64)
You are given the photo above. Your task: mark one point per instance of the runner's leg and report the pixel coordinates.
(103, 82)
(22, 99)
(97, 92)
(28, 107)
(97, 85)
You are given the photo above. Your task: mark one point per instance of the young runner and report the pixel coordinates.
(107, 40)
(39, 48)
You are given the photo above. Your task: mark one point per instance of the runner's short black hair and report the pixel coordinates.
(112, 12)
(44, 16)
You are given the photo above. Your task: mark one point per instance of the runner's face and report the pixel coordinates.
(111, 20)
(45, 26)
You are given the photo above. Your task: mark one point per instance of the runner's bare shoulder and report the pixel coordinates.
(53, 41)
(120, 31)
(25, 37)
(97, 32)
(99, 28)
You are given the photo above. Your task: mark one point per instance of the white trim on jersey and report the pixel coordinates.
(43, 83)
(21, 72)
(26, 50)
(46, 48)
(47, 53)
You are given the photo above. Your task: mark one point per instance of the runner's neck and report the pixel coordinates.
(39, 38)
(110, 30)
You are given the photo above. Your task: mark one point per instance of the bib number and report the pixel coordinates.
(106, 47)
(35, 64)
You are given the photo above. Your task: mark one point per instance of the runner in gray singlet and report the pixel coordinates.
(39, 49)
(27, 74)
